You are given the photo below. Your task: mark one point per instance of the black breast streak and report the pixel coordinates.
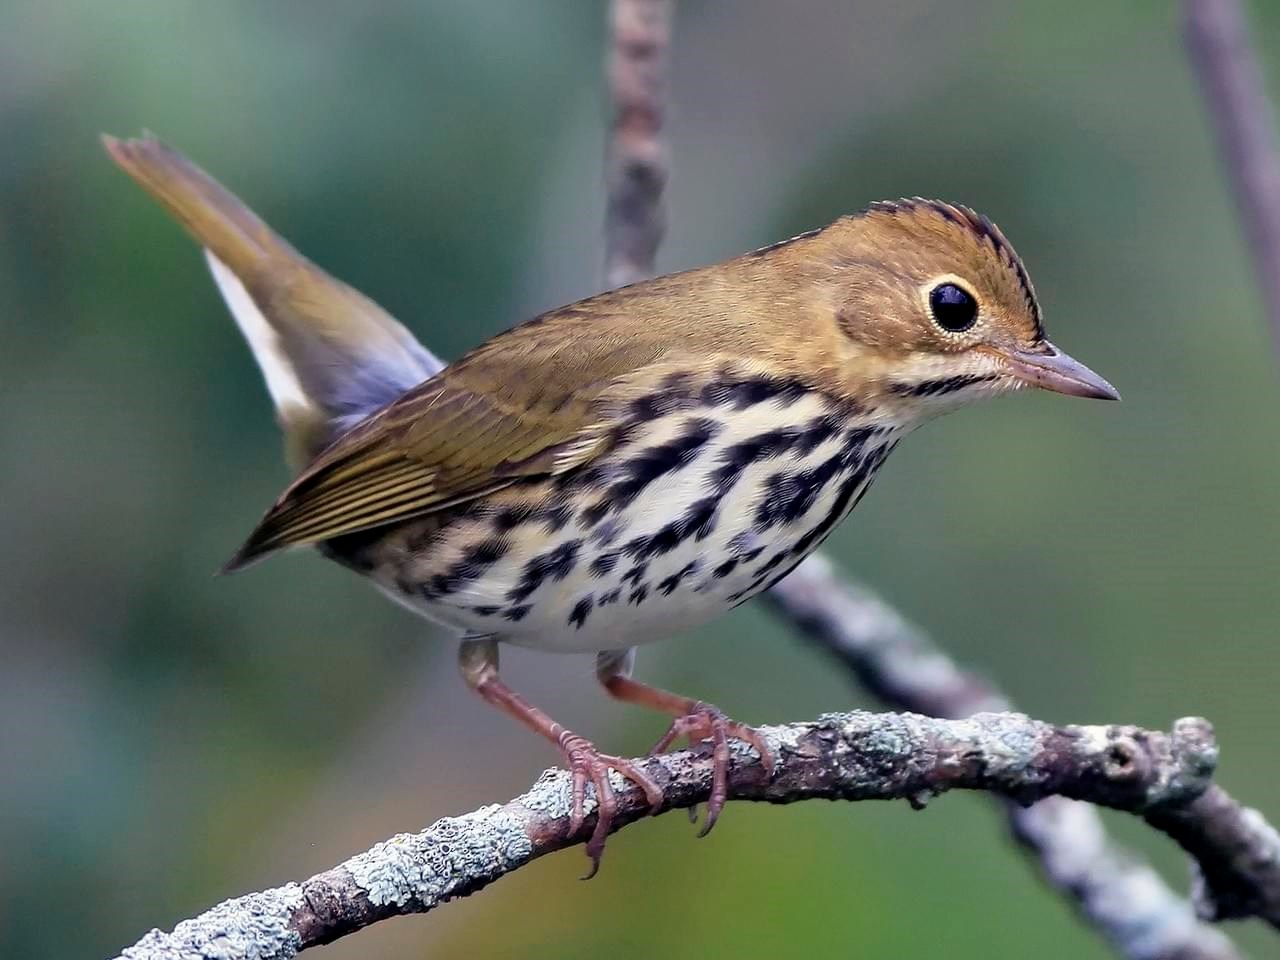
(861, 468)
(607, 532)
(635, 574)
(738, 456)
(856, 484)
(554, 564)
(818, 430)
(649, 464)
(605, 562)
(788, 496)
(698, 522)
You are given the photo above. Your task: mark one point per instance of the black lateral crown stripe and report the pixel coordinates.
(981, 227)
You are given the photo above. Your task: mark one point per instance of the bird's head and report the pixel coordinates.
(934, 309)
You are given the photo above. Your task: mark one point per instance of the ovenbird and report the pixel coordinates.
(629, 465)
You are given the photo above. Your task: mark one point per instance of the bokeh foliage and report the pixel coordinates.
(168, 739)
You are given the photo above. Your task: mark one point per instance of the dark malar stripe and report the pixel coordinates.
(936, 388)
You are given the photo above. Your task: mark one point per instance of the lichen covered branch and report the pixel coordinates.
(845, 756)
(1114, 889)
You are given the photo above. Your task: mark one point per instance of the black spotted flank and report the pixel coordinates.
(937, 388)
(672, 583)
(554, 564)
(581, 610)
(518, 612)
(508, 518)
(475, 560)
(635, 574)
(817, 431)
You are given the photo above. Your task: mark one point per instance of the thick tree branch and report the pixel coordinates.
(843, 756)
(1238, 853)
(1217, 39)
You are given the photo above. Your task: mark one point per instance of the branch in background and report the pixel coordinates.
(1238, 853)
(1115, 890)
(1227, 70)
(636, 156)
(844, 756)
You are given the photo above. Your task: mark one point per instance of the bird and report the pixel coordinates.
(631, 465)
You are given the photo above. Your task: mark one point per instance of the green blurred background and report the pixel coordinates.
(168, 739)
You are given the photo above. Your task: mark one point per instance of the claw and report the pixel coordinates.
(706, 722)
(586, 763)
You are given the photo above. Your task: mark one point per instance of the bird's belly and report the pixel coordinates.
(580, 569)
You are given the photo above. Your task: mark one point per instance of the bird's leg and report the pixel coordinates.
(694, 719)
(478, 659)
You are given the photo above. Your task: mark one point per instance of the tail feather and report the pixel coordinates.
(330, 355)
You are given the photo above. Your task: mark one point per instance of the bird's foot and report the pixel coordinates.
(587, 764)
(706, 722)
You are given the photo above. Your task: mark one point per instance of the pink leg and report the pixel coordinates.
(478, 659)
(694, 719)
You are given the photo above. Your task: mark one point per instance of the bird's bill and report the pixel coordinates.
(1050, 369)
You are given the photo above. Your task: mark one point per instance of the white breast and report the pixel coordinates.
(748, 502)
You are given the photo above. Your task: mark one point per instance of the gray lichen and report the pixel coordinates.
(427, 867)
(253, 927)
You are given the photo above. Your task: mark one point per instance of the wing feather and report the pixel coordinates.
(536, 401)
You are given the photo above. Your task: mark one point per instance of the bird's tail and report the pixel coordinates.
(329, 354)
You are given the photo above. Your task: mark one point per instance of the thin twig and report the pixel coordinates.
(845, 756)
(1217, 40)
(636, 155)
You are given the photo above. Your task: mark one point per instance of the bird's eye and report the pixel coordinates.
(954, 308)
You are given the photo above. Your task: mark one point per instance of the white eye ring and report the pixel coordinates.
(951, 304)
